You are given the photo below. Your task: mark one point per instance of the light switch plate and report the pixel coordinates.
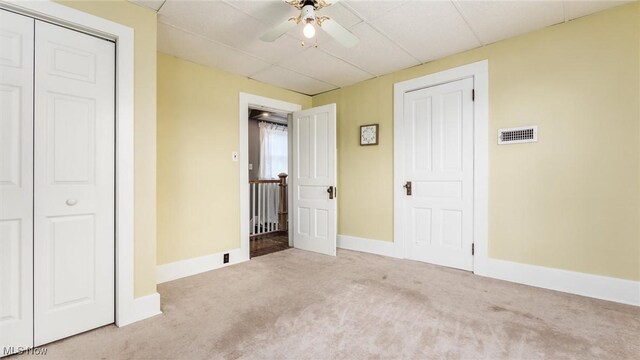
(234, 156)
(250, 166)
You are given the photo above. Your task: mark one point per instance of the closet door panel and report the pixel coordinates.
(16, 182)
(74, 183)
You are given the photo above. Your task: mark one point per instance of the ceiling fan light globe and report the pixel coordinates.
(309, 31)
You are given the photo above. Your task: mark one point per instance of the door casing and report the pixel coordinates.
(261, 102)
(479, 72)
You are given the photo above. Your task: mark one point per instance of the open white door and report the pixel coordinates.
(314, 202)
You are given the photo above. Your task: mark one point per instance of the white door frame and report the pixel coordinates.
(128, 308)
(246, 101)
(479, 71)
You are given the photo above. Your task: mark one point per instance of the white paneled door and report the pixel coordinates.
(16, 180)
(314, 179)
(73, 183)
(57, 143)
(437, 205)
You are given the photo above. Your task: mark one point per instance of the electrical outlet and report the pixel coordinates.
(250, 166)
(225, 259)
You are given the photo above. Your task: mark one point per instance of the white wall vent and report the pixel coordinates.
(518, 135)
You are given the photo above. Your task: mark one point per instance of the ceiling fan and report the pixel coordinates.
(309, 17)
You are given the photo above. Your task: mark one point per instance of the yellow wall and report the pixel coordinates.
(198, 184)
(143, 22)
(570, 201)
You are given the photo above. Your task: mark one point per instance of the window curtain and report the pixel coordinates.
(274, 143)
(273, 151)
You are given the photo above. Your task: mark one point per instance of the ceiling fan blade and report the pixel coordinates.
(325, 3)
(338, 32)
(278, 31)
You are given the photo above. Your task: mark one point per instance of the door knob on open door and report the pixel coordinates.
(71, 202)
(407, 186)
(330, 191)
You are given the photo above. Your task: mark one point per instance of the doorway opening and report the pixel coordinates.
(268, 140)
(263, 104)
(311, 215)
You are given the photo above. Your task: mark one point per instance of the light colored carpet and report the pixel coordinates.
(299, 305)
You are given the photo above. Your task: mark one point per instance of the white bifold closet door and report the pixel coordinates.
(58, 185)
(16, 180)
(74, 194)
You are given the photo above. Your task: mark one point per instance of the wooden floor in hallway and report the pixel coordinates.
(268, 243)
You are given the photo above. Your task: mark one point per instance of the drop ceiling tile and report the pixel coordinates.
(271, 12)
(215, 20)
(225, 34)
(369, 10)
(497, 20)
(196, 48)
(291, 80)
(428, 30)
(576, 9)
(273, 52)
(151, 4)
(223, 23)
(374, 53)
(317, 64)
(341, 14)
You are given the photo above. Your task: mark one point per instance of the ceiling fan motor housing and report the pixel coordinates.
(308, 13)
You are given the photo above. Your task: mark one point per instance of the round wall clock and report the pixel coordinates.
(369, 134)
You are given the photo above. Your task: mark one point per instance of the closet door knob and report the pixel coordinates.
(71, 202)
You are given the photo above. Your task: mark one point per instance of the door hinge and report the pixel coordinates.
(473, 249)
(473, 94)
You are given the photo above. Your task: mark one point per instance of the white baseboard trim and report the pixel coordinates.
(378, 247)
(142, 308)
(590, 285)
(184, 268)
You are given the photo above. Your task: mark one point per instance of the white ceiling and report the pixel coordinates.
(393, 35)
